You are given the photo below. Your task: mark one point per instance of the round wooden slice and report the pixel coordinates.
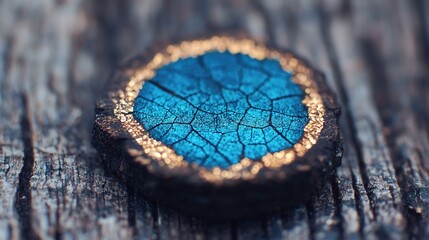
(220, 127)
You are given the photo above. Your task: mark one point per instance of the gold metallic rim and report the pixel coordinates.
(246, 169)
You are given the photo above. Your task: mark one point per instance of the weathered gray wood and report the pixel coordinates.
(55, 56)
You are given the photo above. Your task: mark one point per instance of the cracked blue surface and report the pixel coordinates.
(219, 108)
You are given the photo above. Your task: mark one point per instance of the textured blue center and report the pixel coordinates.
(219, 108)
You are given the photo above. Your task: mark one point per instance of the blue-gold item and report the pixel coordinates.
(218, 108)
(220, 127)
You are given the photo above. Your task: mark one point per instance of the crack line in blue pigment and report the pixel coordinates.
(219, 108)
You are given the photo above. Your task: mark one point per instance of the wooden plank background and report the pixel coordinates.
(55, 57)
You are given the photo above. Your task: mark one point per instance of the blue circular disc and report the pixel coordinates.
(218, 108)
(219, 128)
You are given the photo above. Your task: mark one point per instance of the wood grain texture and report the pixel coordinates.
(55, 57)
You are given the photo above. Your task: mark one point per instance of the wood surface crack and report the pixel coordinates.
(404, 165)
(423, 31)
(337, 203)
(23, 193)
(343, 96)
(358, 204)
(310, 219)
(265, 14)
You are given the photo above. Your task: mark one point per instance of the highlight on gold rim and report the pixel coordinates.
(246, 169)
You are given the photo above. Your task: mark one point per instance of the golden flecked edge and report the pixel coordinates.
(246, 169)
